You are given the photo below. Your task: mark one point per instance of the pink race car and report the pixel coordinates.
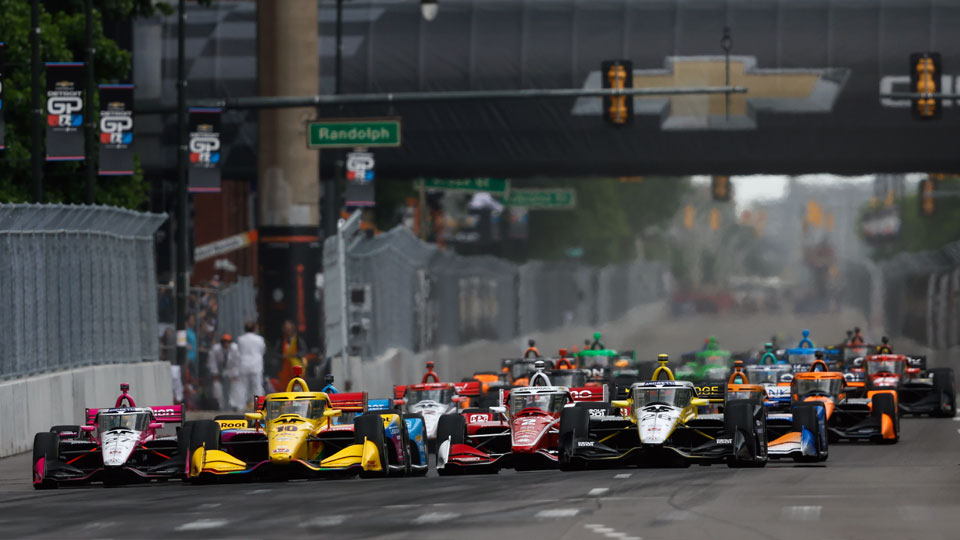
(116, 445)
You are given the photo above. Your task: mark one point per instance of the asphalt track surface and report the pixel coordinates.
(903, 491)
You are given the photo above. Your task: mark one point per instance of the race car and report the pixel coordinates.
(711, 364)
(433, 399)
(294, 435)
(662, 426)
(874, 418)
(617, 369)
(116, 445)
(919, 390)
(798, 432)
(520, 434)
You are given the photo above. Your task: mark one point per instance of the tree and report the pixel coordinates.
(62, 39)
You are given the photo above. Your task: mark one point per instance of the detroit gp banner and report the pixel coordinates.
(116, 129)
(204, 150)
(2, 125)
(64, 111)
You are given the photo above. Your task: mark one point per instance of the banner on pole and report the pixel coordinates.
(204, 150)
(64, 111)
(116, 129)
(3, 126)
(360, 187)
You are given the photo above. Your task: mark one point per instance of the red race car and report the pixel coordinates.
(521, 433)
(434, 399)
(919, 390)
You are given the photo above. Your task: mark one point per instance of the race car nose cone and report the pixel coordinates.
(280, 459)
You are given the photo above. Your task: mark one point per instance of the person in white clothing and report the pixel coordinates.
(249, 381)
(223, 365)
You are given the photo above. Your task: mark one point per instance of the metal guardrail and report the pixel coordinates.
(76, 286)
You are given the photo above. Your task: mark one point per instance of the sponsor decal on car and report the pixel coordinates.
(724, 441)
(584, 443)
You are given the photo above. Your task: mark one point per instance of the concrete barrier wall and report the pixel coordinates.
(34, 404)
(399, 366)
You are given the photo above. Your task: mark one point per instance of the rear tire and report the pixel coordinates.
(452, 427)
(807, 416)
(369, 426)
(46, 445)
(943, 386)
(574, 422)
(885, 403)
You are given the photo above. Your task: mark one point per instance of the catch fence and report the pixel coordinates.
(76, 286)
(912, 295)
(403, 293)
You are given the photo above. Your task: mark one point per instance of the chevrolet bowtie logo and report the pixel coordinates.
(768, 90)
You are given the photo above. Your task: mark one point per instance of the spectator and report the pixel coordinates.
(223, 365)
(250, 380)
(168, 353)
(291, 350)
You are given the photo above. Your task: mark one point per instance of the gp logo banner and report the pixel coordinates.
(204, 150)
(116, 129)
(64, 108)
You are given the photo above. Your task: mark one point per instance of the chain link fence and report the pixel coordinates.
(912, 295)
(76, 286)
(403, 293)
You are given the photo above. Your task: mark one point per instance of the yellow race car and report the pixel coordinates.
(297, 434)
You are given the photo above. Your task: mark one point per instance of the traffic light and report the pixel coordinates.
(720, 188)
(714, 219)
(926, 197)
(617, 74)
(689, 217)
(925, 79)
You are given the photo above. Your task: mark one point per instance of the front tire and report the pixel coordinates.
(413, 449)
(885, 404)
(574, 422)
(452, 427)
(369, 427)
(46, 445)
(739, 420)
(808, 417)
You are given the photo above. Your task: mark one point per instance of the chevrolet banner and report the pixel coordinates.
(116, 129)
(204, 150)
(64, 110)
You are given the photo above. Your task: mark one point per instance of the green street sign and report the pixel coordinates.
(491, 185)
(353, 132)
(543, 199)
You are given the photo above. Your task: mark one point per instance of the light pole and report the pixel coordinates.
(182, 200)
(36, 126)
(91, 173)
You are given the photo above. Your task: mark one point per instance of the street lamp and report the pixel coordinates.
(429, 8)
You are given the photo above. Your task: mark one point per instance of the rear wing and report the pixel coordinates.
(169, 414)
(469, 388)
(917, 362)
(590, 393)
(713, 391)
(349, 401)
(399, 390)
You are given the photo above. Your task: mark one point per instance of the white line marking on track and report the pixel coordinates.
(678, 515)
(402, 506)
(596, 492)
(622, 476)
(958, 431)
(435, 517)
(202, 525)
(557, 513)
(208, 505)
(801, 513)
(259, 491)
(609, 532)
(324, 521)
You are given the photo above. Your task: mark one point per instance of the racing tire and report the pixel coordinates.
(943, 386)
(413, 450)
(183, 445)
(370, 427)
(454, 428)
(205, 433)
(886, 403)
(807, 416)
(46, 445)
(738, 418)
(59, 430)
(574, 422)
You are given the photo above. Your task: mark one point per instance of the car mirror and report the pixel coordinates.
(156, 425)
(399, 402)
(498, 409)
(698, 402)
(330, 413)
(456, 399)
(255, 416)
(88, 429)
(620, 403)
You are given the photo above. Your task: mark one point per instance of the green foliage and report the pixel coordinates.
(62, 39)
(921, 233)
(609, 217)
